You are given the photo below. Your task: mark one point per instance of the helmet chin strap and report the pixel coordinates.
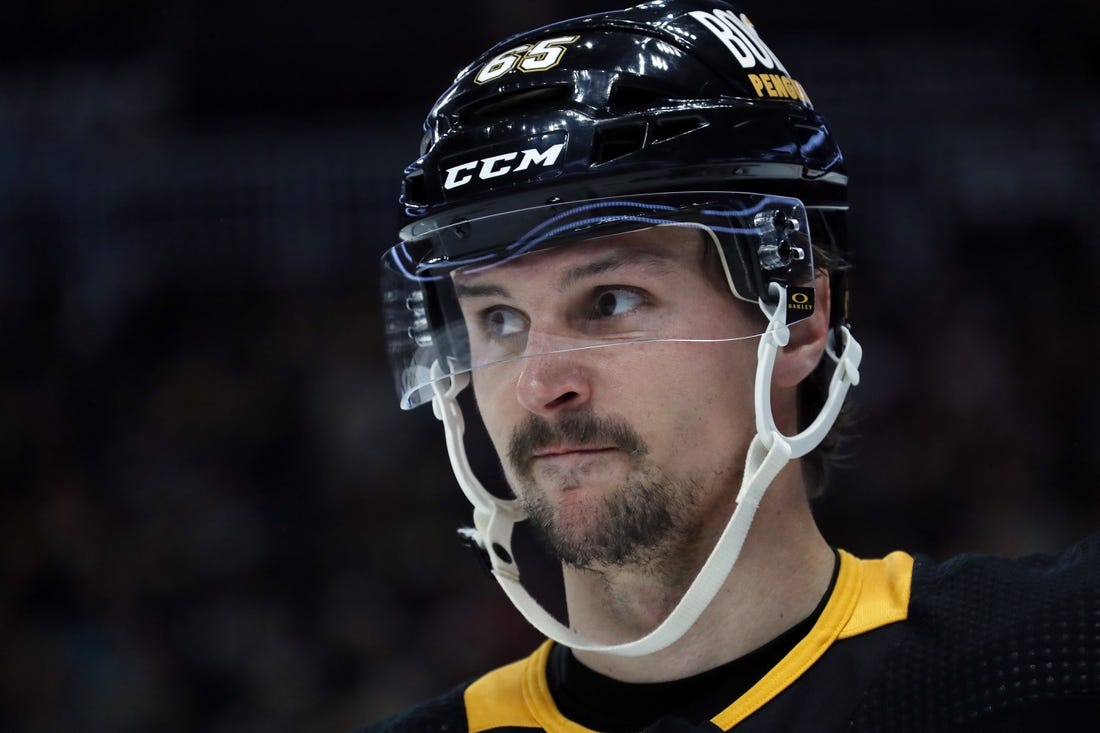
(768, 453)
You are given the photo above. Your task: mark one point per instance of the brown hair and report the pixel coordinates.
(814, 390)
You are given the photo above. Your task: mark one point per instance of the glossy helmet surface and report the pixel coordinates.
(667, 96)
(672, 95)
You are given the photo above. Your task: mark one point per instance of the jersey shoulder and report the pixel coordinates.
(993, 639)
(494, 701)
(1007, 591)
(443, 714)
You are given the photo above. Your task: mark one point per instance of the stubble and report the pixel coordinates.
(645, 521)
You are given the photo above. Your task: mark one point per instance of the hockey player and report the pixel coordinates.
(625, 235)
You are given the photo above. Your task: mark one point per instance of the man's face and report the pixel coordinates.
(627, 453)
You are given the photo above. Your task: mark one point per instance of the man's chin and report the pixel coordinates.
(570, 520)
(579, 510)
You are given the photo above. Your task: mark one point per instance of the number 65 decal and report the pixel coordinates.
(542, 56)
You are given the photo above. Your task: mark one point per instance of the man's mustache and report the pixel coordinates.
(579, 428)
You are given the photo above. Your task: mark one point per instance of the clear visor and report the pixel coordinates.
(477, 293)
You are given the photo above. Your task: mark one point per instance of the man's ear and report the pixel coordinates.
(803, 351)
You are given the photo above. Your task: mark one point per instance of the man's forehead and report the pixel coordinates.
(670, 244)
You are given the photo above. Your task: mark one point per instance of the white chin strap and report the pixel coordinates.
(768, 453)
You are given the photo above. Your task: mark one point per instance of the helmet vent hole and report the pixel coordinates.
(618, 140)
(625, 97)
(413, 192)
(670, 127)
(526, 101)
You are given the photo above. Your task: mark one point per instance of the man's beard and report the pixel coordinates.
(642, 522)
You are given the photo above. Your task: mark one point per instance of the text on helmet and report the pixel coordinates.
(494, 166)
(538, 57)
(739, 36)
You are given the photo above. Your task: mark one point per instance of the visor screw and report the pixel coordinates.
(785, 223)
(461, 228)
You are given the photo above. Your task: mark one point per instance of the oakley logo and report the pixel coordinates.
(499, 165)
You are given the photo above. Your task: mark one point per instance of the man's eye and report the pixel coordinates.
(503, 322)
(616, 302)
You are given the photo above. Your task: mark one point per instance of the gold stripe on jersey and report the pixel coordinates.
(496, 700)
(868, 594)
(517, 695)
(884, 597)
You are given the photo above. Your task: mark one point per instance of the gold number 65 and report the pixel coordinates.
(546, 54)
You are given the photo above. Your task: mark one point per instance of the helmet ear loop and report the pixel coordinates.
(845, 375)
(494, 518)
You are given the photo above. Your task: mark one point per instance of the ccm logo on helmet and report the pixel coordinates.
(499, 165)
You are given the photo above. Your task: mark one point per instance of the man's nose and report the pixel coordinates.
(552, 378)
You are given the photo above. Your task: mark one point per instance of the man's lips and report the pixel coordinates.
(570, 450)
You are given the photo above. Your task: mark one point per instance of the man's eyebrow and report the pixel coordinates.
(480, 291)
(614, 261)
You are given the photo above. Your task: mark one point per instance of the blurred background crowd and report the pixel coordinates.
(213, 515)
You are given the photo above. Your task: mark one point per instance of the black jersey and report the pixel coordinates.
(976, 643)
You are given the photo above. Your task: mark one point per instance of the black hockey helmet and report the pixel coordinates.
(671, 96)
